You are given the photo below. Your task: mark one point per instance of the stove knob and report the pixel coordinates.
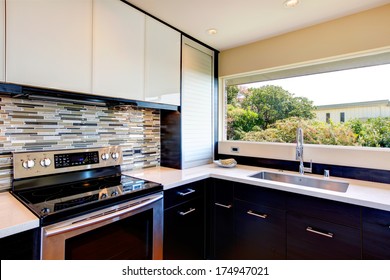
(114, 193)
(115, 155)
(103, 196)
(45, 162)
(27, 164)
(105, 156)
(45, 211)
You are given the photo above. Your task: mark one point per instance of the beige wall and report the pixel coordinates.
(359, 32)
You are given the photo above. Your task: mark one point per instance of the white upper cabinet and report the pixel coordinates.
(118, 50)
(49, 43)
(2, 40)
(162, 63)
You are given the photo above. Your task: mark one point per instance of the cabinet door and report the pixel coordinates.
(49, 43)
(223, 220)
(260, 231)
(2, 40)
(21, 246)
(162, 63)
(310, 238)
(376, 234)
(184, 236)
(118, 50)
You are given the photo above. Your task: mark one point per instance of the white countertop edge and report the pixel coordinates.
(14, 216)
(18, 228)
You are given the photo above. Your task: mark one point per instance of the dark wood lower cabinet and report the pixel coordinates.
(314, 239)
(376, 234)
(184, 231)
(20, 246)
(243, 221)
(260, 232)
(185, 222)
(222, 220)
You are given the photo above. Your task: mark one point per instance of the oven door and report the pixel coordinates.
(131, 230)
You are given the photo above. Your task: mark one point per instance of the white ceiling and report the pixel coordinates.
(242, 22)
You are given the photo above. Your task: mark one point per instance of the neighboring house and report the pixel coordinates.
(357, 110)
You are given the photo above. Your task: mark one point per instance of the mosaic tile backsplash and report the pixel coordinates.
(27, 125)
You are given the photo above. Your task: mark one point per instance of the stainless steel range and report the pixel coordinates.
(87, 208)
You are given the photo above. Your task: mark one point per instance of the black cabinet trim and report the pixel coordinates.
(29, 92)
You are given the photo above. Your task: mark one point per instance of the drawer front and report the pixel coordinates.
(376, 234)
(331, 211)
(309, 238)
(183, 193)
(260, 231)
(259, 195)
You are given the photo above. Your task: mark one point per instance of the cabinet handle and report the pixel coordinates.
(223, 205)
(181, 213)
(189, 191)
(263, 216)
(326, 234)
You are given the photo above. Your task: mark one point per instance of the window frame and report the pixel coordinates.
(340, 155)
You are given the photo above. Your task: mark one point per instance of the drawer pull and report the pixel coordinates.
(189, 191)
(223, 205)
(263, 216)
(326, 234)
(181, 213)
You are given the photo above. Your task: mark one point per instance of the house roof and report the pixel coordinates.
(384, 102)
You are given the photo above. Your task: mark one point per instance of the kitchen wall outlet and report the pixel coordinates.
(235, 149)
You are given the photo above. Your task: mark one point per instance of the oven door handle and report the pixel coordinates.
(101, 217)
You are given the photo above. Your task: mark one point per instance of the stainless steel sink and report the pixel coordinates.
(303, 180)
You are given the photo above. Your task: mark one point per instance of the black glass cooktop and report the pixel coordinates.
(65, 199)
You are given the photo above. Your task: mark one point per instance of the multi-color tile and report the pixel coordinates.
(27, 125)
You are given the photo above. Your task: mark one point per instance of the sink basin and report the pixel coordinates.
(303, 180)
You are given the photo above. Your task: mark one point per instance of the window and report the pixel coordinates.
(268, 107)
(327, 117)
(342, 117)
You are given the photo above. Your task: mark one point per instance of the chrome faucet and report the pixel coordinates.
(299, 153)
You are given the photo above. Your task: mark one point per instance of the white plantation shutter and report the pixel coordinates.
(197, 95)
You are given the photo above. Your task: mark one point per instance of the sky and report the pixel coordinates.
(356, 85)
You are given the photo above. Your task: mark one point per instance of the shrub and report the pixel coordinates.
(315, 132)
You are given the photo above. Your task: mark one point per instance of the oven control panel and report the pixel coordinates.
(32, 164)
(76, 159)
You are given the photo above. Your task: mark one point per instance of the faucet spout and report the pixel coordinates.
(299, 153)
(299, 149)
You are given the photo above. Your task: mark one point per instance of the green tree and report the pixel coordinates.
(239, 121)
(272, 103)
(231, 93)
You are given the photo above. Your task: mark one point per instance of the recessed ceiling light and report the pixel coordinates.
(212, 31)
(291, 3)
